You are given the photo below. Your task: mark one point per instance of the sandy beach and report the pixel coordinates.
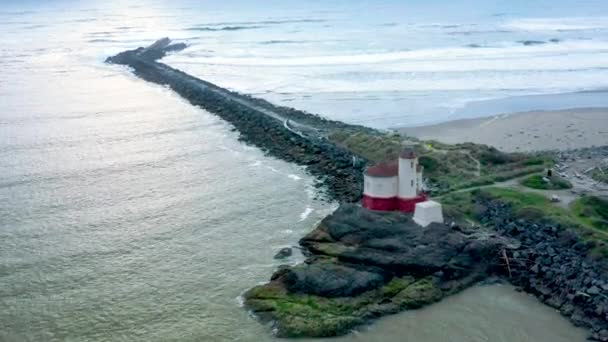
(529, 131)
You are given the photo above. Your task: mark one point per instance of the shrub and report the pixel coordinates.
(430, 164)
(553, 183)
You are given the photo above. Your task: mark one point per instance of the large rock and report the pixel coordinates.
(362, 265)
(328, 279)
(393, 242)
(284, 253)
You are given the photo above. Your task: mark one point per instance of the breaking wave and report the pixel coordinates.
(470, 57)
(224, 28)
(558, 24)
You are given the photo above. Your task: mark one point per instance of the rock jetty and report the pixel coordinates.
(286, 133)
(554, 264)
(362, 265)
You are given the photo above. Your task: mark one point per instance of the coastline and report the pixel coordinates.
(525, 131)
(362, 265)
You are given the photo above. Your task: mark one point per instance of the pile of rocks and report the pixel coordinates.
(583, 153)
(554, 265)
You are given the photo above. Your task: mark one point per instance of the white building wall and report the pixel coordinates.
(428, 212)
(407, 177)
(380, 187)
(419, 182)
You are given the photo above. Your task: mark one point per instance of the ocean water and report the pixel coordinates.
(128, 215)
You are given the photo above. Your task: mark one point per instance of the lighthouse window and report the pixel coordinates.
(412, 182)
(412, 164)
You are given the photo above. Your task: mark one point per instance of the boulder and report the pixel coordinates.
(329, 279)
(395, 243)
(362, 264)
(284, 253)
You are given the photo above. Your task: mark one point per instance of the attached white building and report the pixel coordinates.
(428, 212)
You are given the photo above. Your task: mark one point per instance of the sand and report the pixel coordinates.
(529, 131)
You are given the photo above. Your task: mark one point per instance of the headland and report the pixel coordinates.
(362, 264)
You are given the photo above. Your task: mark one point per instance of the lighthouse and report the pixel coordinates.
(410, 182)
(395, 185)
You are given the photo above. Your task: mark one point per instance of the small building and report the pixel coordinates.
(428, 212)
(381, 186)
(395, 185)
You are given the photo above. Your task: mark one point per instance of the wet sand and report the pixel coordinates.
(529, 131)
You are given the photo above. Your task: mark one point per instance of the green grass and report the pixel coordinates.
(459, 207)
(593, 211)
(446, 167)
(554, 183)
(600, 176)
(375, 147)
(588, 216)
(533, 206)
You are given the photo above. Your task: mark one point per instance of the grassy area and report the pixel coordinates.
(446, 167)
(588, 215)
(535, 207)
(600, 176)
(593, 211)
(469, 165)
(375, 147)
(460, 207)
(553, 183)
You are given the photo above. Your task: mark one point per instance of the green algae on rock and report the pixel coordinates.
(303, 315)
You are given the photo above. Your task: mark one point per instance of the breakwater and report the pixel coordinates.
(285, 133)
(553, 263)
(362, 265)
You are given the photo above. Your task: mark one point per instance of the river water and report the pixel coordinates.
(128, 215)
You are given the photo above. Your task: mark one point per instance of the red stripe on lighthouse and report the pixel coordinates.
(380, 204)
(408, 205)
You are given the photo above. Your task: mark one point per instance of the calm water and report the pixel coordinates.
(126, 214)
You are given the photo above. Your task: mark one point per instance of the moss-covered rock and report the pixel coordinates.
(418, 294)
(397, 285)
(302, 315)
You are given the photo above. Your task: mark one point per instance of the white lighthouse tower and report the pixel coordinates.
(410, 181)
(408, 163)
(419, 185)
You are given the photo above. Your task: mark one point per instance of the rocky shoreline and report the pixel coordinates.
(553, 264)
(362, 265)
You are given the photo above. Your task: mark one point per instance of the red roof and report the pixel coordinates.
(408, 153)
(386, 169)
